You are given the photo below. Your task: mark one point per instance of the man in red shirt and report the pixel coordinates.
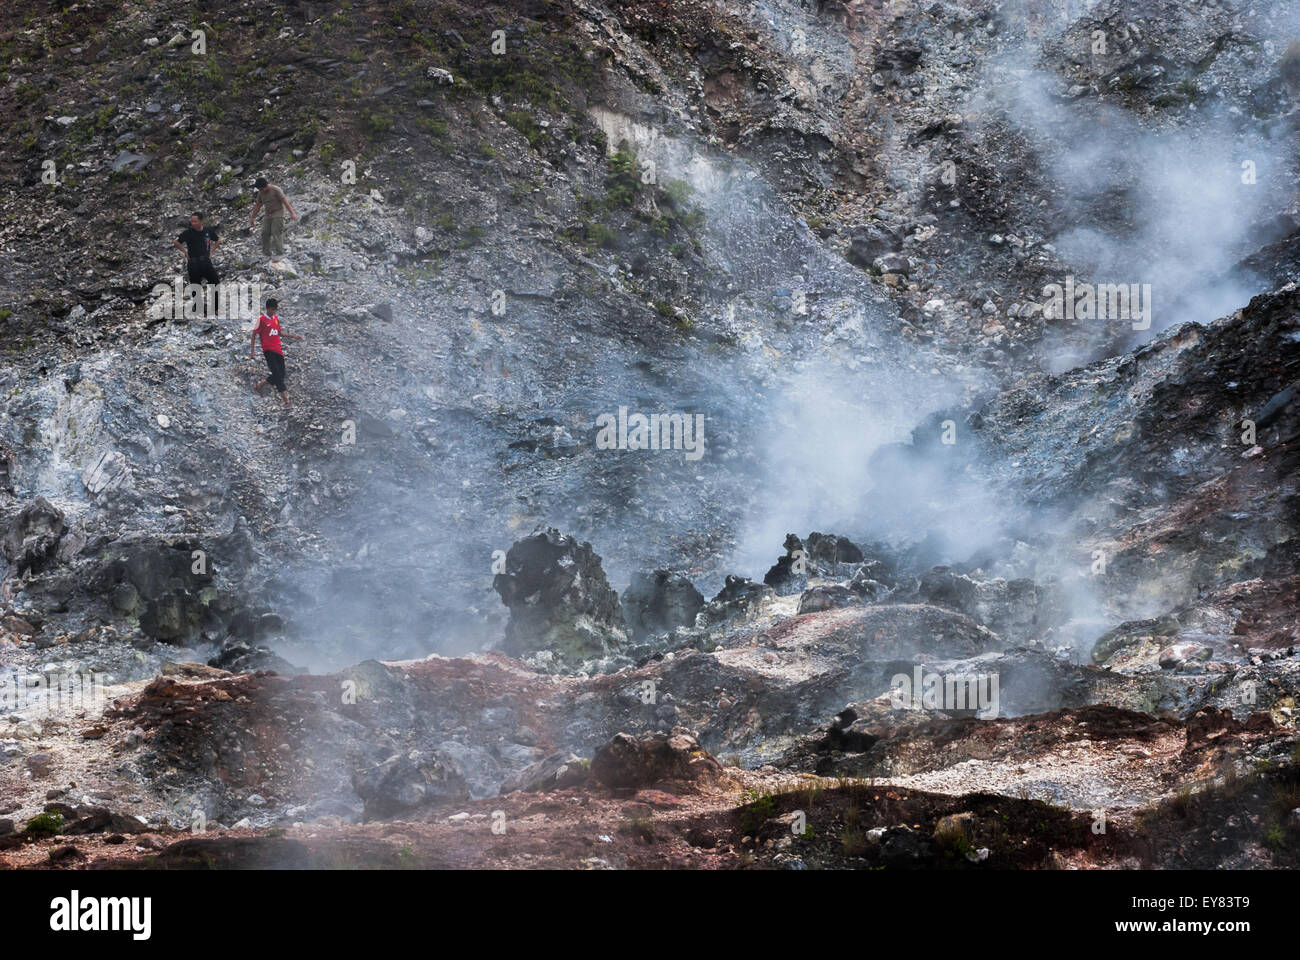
(270, 331)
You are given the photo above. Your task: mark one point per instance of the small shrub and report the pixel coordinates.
(376, 121)
(437, 128)
(641, 828)
(1275, 837)
(854, 841)
(522, 121)
(622, 182)
(45, 823)
(755, 814)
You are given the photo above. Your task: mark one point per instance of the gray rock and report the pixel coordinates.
(404, 783)
(739, 598)
(555, 772)
(108, 472)
(870, 242)
(892, 263)
(31, 540)
(659, 602)
(40, 764)
(131, 162)
(559, 600)
(816, 599)
(126, 599)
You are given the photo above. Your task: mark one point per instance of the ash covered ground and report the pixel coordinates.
(824, 434)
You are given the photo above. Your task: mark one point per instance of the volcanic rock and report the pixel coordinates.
(657, 603)
(559, 600)
(628, 762)
(31, 540)
(403, 784)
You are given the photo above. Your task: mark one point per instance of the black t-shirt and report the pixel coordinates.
(198, 241)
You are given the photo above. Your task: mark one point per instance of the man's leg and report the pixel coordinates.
(194, 274)
(277, 236)
(275, 362)
(269, 356)
(208, 274)
(279, 378)
(266, 235)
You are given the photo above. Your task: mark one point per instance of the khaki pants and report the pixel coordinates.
(272, 235)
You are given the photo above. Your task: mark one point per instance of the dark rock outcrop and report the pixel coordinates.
(31, 540)
(739, 597)
(830, 549)
(628, 762)
(871, 241)
(790, 573)
(165, 584)
(559, 600)
(239, 656)
(659, 602)
(405, 783)
(815, 599)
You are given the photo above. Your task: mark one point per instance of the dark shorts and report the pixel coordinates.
(275, 363)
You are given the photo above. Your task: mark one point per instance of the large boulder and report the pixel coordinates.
(739, 598)
(947, 588)
(406, 782)
(827, 597)
(790, 573)
(828, 548)
(821, 554)
(163, 583)
(31, 540)
(871, 241)
(628, 762)
(559, 601)
(1019, 610)
(553, 772)
(239, 656)
(659, 602)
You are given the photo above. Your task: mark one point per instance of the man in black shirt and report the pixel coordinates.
(200, 243)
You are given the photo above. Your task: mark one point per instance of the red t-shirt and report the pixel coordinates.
(268, 328)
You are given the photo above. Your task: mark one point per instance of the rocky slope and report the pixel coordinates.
(432, 615)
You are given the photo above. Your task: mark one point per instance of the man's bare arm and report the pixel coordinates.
(252, 345)
(252, 217)
(288, 206)
(177, 245)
